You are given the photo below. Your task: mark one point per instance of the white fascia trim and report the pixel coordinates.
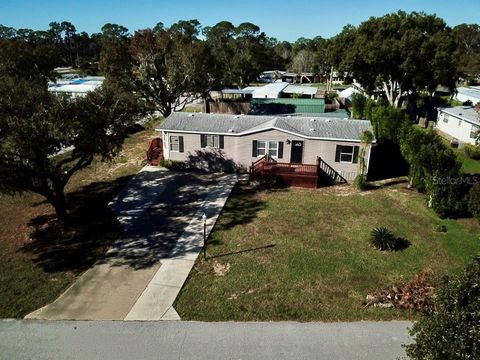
(261, 130)
(460, 117)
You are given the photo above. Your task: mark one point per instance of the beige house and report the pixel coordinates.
(216, 140)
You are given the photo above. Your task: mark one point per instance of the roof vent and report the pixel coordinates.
(312, 129)
(312, 120)
(191, 114)
(231, 130)
(327, 120)
(237, 117)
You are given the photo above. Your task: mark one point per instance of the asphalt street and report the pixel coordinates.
(39, 339)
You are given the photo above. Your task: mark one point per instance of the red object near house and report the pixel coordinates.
(300, 175)
(155, 151)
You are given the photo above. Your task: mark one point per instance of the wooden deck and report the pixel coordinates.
(299, 175)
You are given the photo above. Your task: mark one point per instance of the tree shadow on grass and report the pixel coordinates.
(151, 233)
(241, 208)
(92, 228)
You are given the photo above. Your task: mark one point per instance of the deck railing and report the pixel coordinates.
(297, 174)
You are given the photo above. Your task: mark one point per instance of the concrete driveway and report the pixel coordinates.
(156, 209)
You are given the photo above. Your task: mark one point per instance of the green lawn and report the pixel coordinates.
(304, 255)
(39, 258)
(469, 166)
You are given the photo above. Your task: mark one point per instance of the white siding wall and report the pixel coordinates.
(239, 150)
(456, 127)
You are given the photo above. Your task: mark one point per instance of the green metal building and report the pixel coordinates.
(287, 106)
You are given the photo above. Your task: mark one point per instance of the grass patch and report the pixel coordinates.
(469, 166)
(304, 255)
(40, 259)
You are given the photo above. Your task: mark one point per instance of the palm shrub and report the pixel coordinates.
(383, 239)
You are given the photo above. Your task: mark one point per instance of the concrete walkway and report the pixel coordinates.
(156, 210)
(195, 340)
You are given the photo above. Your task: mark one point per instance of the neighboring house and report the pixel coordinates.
(465, 94)
(273, 98)
(460, 122)
(240, 140)
(72, 86)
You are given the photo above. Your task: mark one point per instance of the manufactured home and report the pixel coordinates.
(459, 122)
(242, 140)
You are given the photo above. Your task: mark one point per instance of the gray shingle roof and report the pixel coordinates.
(309, 127)
(467, 113)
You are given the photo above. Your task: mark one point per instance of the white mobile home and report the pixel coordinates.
(459, 122)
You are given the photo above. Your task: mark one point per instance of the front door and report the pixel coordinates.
(296, 155)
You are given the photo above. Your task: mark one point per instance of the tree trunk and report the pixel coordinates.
(60, 206)
(56, 198)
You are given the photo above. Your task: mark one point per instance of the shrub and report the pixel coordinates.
(450, 200)
(472, 151)
(174, 165)
(383, 239)
(358, 106)
(451, 330)
(360, 182)
(474, 200)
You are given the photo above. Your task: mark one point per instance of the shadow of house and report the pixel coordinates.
(212, 160)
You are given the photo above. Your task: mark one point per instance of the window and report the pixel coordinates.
(213, 141)
(273, 149)
(174, 143)
(474, 132)
(261, 148)
(346, 154)
(445, 118)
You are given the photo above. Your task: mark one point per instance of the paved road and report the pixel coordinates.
(91, 340)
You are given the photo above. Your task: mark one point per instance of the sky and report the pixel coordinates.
(282, 19)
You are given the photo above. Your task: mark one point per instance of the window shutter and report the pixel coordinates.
(280, 149)
(221, 143)
(337, 153)
(203, 140)
(355, 154)
(254, 148)
(180, 143)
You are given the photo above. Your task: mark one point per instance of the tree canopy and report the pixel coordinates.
(401, 53)
(45, 139)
